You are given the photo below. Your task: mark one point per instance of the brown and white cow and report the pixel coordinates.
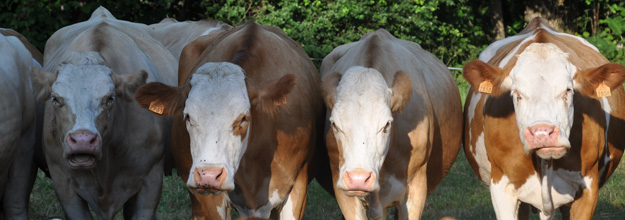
(17, 124)
(104, 152)
(245, 120)
(395, 120)
(542, 128)
(175, 35)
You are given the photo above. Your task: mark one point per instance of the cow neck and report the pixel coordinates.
(546, 168)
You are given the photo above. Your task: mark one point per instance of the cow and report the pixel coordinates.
(17, 124)
(543, 119)
(104, 152)
(174, 35)
(245, 122)
(394, 124)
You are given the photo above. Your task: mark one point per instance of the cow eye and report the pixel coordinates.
(518, 95)
(55, 101)
(110, 100)
(336, 128)
(567, 93)
(386, 127)
(187, 117)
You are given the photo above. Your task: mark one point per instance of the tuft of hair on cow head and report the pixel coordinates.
(42, 82)
(161, 99)
(328, 88)
(267, 96)
(127, 84)
(478, 73)
(402, 88)
(610, 74)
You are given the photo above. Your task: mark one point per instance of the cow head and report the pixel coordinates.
(83, 95)
(542, 83)
(361, 119)
(218, 116)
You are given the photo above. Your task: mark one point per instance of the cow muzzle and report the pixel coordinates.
(210, 180)
(358, 182)
(545, 141)
(83, 146)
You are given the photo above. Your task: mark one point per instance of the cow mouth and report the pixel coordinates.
(207, 191)
(550, 152)
(81, 160)
(358, 193)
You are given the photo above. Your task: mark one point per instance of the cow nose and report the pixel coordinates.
(359, 180)
(542, 135)
(209, 177)
(82, 141)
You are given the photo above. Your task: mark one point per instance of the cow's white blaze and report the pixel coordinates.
(542, 89)
(361, 119)
(218, 97)
(84, 85)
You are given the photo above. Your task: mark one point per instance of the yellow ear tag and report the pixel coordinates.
(603, 90)
(486, 87)
(157, 107)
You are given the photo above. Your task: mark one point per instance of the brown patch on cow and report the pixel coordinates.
(42, 82)
(173, 98)
(476, 72)
(247, 47)
(371, 50)
(612, 74)
(402, 88)
(240, 125)
(100, 36)
(328, 88)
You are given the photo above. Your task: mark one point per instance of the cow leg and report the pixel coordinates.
(376, 211)
(505, 200)
(584, 206)
(144, 204)
(21, 178)
(74, 206)
(295, 203)
(417, 193)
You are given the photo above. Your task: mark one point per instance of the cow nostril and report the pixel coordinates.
(93, 140)
(72, 140)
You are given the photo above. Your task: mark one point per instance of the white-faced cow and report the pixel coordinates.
(104, 152)
(175, 35)
(541, 125)
(17, 124)
(395, 120)
(245, 120)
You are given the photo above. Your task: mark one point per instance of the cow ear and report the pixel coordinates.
(328, 88)
(160, 98)
(402, 88)
(611, 75)
(269, 95)
(126, 85)
(42, 82)
(483, 77)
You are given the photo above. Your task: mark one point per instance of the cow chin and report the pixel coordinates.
(81, 160)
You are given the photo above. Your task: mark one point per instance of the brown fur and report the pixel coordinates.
(127, 84)
(402, 88)
(328, 87)
(172, 98)
(43, 86)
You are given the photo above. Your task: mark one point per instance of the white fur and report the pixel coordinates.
(217, 97)
(212, 29)
(287, 209)
(360, 112)
(504, 199)
(491, 50)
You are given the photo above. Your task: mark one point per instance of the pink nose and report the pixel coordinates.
(541, 136)
(359, 180)
(82, 141)
(209, 177)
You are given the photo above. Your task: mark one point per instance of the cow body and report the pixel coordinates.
(17, 125)
(175, 35)
(394, 117)
(103, 151)
(245, 120)
(542, 136)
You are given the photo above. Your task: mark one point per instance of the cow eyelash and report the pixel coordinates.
(386, 127)
(55, 101)
(110, 100)
(186, 117)
(336, 128)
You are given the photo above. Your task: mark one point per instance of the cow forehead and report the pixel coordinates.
(542, 65)
(362, 95)
(83, 80)
(219, 87)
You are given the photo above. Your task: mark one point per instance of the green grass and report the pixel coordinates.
(460, 195)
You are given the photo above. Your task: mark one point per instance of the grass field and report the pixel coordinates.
(460, 195)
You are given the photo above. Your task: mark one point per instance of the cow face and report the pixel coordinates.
(218, 116)
(82, 96)
(542, 84)
(361, 119)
